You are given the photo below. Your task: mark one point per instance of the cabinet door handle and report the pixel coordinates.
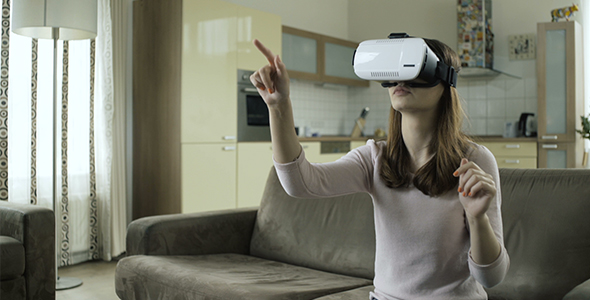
(549, 146)
(249, 90)
(512, 161)
(549, 137)
(513, 146)
(304, 146)
(229, 137)
(229, 148)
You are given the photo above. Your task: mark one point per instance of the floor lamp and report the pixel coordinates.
(56, 20)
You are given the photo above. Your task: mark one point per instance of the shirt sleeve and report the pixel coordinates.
(350, 174)
(491, 274)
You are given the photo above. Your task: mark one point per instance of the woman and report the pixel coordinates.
(435, 193)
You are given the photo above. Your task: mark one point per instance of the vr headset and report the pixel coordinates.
(401, 58)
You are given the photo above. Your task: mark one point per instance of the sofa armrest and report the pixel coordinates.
(34, 227)
(580, 292)
(226, 231)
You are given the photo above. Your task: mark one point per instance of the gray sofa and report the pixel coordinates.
(324, 249)
(27, 252)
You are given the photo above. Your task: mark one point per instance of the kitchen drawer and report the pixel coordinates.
(512, 149)
(516, 162)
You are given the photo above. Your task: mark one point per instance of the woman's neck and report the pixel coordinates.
(417, 132)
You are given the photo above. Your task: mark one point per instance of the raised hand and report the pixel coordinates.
(272, 80)
(476, 188)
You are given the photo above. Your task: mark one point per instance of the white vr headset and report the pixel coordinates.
(401, 58)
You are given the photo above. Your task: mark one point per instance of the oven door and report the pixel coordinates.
(253, 120)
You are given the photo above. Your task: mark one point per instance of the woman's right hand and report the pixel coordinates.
(272, 80)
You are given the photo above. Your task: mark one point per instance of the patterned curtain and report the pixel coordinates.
(83, 166)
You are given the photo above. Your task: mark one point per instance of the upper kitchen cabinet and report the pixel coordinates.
(254, 24)
(186, 54)
(560, 92)
(317, 57)
(208, 71)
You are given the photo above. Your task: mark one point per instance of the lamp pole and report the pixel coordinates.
(66, 20)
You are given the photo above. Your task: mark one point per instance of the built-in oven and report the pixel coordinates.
(253, 122)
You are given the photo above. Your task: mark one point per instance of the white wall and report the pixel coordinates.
(328, 17)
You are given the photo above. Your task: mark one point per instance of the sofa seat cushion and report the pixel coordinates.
(12, 258)
(13, 289)
(361, 293)
(223, 276)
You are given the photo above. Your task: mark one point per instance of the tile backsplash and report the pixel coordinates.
(332, 109)
(491, 103)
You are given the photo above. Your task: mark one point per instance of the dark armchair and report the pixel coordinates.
(27, 252)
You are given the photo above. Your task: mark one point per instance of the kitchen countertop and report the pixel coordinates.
(499, 138)
(478, 138)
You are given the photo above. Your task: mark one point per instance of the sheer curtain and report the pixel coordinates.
(85, 163)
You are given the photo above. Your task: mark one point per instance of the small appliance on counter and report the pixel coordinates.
(359, 124)
(527, 125)
(510, 129)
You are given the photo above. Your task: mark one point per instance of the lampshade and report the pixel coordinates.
(74, 19)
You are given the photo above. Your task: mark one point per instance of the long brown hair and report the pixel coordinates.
(449, 144)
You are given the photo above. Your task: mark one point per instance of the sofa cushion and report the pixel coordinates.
(12, 258)
(331, 234)
(223, 276)
(361, 293)
(546, 232)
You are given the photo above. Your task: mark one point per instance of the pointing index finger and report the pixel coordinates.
(265, 51)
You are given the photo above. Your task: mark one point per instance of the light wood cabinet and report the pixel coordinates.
(517, 155)
(560, 93)
(254, 24)
(316, 57)
(185, 61)
(208, 71)
(254, 163)
(208, 177)
(557, 155)
(356, 144)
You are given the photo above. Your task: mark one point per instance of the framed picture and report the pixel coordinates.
(522, 46)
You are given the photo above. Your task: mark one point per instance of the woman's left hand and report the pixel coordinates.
(476, 188)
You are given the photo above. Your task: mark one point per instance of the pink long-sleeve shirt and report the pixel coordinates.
(422, 242)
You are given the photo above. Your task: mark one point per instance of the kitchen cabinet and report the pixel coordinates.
(356, 144)
(186, 54)
(313, 153)
(516, 155)
(254, 163)
(208, 177)
(557, 155)
(208, 72)
(254, 24)
(316, 57)
(560, 93)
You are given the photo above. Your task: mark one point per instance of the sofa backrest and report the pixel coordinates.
(331, 234)
(546, 215)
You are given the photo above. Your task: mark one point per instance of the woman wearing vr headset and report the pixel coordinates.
(436, 194)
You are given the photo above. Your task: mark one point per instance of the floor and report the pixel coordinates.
(98, 281)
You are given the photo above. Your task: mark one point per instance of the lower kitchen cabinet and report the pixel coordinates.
(515, 155)
(208, 177)
(557, 155)
(254, 163)
(356, 144)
